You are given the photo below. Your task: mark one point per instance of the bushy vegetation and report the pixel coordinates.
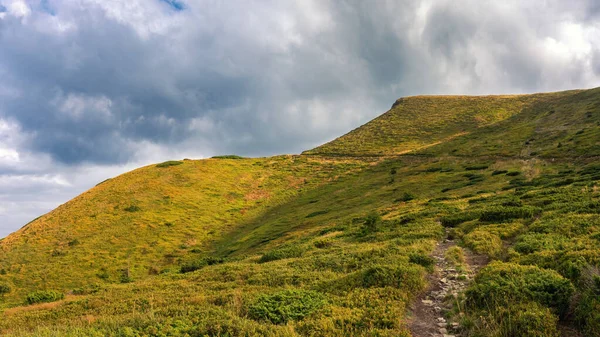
(42, 296)
(506, 283)
(169, 163)
(286, 305)
(332, 246)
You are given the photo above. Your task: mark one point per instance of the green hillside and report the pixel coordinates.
(337, 241)
(419, 122)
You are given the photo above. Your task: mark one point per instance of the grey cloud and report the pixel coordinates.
(91, 82)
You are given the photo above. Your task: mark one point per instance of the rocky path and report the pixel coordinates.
(446, 283)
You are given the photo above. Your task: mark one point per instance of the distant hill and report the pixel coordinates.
(337, 241)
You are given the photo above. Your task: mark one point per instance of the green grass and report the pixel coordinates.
(335, 245)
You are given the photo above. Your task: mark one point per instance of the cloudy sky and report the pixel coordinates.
(93, 88)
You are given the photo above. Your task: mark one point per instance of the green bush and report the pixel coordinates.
(371, 223)
(286, 305)
(199, 264)
(228, 156)
(505, 213)
(4, 289)
(43, 296)
(497, 172)
(407, 196)
(169, 163)
(422, 260)
(508, 283)
(313, 214)
(483, 242)
(477, 167)
(519, 320)
(402, 277)
(281, 253)
(455, 255)
(513, 173)
(132, 208)
(454, 220)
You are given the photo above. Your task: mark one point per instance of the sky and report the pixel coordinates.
(90, 89)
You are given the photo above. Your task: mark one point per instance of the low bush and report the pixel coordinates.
(423, 260)
(455, 255)
(132, 208)
(507, 283)
(199, 264)
(407, 196)
(169, 163)
(497, 172)
(313, 214)
(504, 213)
(404, 277)
(520, 320)
(286, 305)
(281, 253)
(477, 167)
(454, 220)
(43, 296)
(371, 223)
(483, 242)
(228, 156)
(4, 289)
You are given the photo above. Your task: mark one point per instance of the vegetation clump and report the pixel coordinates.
(281, 253)
(286, 305)
(505, 283)
(43, 296)
(169, 163)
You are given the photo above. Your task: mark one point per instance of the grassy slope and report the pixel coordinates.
(179, 209)
(422, 121)
(319, 240)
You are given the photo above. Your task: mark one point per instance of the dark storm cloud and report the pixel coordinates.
(90, 85)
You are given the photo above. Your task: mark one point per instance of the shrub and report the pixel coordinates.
(504, 213)
(372, 221)
(286, 305)
(4, 289)
(132, 208)
(281, 253)
(456, 219)
(228, 156)
(407, 196)
(422, 260)
(313, 214)
(402, 277)
(199, 264)
(519, 320)
(476, 167)
(483, 242)
(169, 163)
(43, 296)
(508, 283)
(455, 255)
(528, 320)
(513, 173)
(497, 172)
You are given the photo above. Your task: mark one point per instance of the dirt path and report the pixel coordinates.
(445, 283)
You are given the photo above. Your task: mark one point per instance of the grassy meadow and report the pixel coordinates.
(334, 242)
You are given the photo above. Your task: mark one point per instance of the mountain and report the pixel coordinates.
(341, 240)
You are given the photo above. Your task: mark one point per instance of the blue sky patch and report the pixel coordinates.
(176, 5)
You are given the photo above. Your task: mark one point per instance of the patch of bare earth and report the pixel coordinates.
(447, 282)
